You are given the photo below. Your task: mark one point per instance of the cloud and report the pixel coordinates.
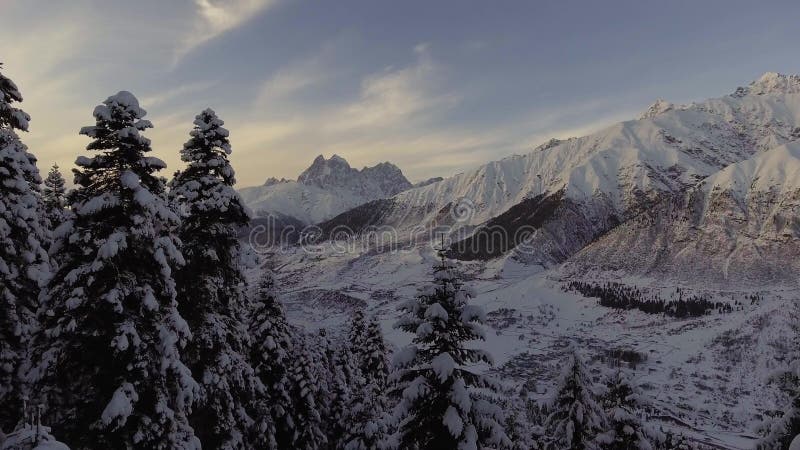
(298, 75)
(395, 96)
(215, 17)
(159, 98)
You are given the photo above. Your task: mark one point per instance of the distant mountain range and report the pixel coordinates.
(576, 192)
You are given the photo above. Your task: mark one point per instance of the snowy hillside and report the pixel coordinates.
(328, 187)
(740, 226)
(575, 190)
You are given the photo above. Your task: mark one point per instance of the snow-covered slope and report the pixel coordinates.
(739, 226)
(573, 191)
(325, 189)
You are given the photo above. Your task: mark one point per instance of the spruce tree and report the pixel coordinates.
(308, 429)
(365, 419)
(357, 332)
(440, 403)
(108, 367)
(323, 364)
(374, 364)
(346, 392)
(271, 356)
(779, 432)
(23, 260)
(624, 409)
(211, 294)
(54, 195)
(576, 420)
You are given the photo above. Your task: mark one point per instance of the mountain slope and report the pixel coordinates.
(605, 178)
(325, 189)
(740, 226)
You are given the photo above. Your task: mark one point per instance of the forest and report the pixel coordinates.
(133, 317)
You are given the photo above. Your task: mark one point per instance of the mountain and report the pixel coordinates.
(689, 203)
(328, 187)
(739, 227)
(564, 194)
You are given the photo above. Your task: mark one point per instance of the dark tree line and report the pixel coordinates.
(620, 296)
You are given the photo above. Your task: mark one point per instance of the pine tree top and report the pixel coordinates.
(11, 117)
(208, 147)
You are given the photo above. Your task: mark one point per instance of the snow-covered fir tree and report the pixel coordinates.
(624, 408)
(108, 364)
(54, 196)
(358, 329)
(271, 357)
(440, 404)
(211, 288)
(23, 259)
(781, 432)
(366, 418)
(346, 392)
(373, 355)
(576, 420)
(518, 425)
(366, 414)
(308, 431)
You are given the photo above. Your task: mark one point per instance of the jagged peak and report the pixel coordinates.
(658, 107)
(771, 83)
(337, 172)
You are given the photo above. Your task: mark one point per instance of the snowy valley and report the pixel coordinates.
(636, 287)
(697, 200)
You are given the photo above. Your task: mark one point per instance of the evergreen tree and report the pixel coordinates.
(440, 406)
(576, 420)
(323, 360)
(623, 407)
(358, 330)
(780, 431)
(308, 430)
(23, 260)
(211, 294)
(108, 364)
(374, 365)
(271, 356)
(365, 418)
(346, 388)
(785, 428)
(54, 195)
(517, 423)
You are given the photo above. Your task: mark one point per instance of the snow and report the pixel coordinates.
(24, 438)
(453, 422)
(326, 189)
(120, 406)
(777, 168)
(443, 366)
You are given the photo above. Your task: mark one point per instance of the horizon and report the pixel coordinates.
(436, 93)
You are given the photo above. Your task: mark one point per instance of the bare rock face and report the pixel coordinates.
(740, 227)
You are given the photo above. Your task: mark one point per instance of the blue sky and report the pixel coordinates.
(436, 87)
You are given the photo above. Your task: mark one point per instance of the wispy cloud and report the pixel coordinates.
(394, 96)
(215, 17)
(298, 75)
(159, 98)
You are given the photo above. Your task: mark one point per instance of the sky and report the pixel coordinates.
(436, 87)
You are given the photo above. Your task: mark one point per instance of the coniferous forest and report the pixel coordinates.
(133, 317)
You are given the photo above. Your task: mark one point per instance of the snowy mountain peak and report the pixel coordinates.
(323, 171)
(658, 107)
(337, 173)
(771, 83)
(327, 188)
